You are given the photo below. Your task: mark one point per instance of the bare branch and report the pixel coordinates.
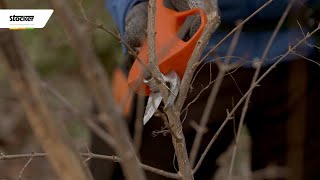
(90, 155)
(24, 167)
(130, 50)
(178, 139)
(257, 72)
(175, 126)
(235, 29)
(223, 68)
(151, 34)
(212, 25)
(88, 121)
(206, 114)
(27, 86)
(99, 85)
(229, 116)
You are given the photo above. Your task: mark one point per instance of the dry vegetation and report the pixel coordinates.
(57, 71)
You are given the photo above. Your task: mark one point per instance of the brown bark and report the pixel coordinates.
(99, 86)
(51, 136)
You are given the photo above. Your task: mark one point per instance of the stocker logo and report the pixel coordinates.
(21, 18)
(24, 18)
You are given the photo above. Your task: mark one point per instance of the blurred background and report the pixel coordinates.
(54, 60)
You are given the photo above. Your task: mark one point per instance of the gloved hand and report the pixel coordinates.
(136, 21)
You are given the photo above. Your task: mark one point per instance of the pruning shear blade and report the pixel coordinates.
(155, 98)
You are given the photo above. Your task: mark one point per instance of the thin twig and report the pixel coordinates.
(48, 131)
(247, 93)
(180, 142)
(80, 4)
(165, 120)
(205, 116)
(24, 167)
(236, 67)
(60, 97)
(308, 59)
(100, 89)
(131, 51)
(235, 29)
(93, 156)
(211, 26)
(88, 150)
(234, 42)
(310, 45)
(147, 71)
(88, 121)
(257, 72)
(223, 68)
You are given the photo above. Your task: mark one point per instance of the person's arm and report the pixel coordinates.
(119, 10)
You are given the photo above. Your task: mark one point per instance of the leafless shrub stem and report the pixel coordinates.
(257, 72)
(51, 135)
(99, 85)
(229, 115)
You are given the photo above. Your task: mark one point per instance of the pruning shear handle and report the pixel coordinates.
(173, 53)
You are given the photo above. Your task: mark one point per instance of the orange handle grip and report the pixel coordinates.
(172, 52)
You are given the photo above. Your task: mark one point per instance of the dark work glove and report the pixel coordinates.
(136, 25)
(136, 21)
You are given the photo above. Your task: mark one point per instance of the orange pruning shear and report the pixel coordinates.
(173, 53)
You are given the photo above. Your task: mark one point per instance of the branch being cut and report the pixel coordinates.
(212, 25)
(99, 85)
(178, 139)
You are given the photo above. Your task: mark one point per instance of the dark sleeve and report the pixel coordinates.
(119, 9)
